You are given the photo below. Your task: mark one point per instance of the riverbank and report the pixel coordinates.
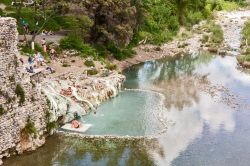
(231, 23)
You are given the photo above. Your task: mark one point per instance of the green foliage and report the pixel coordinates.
(217, 34)
(51, 125)
(92, 71)
(1, 12)
(29, 128)
(227, 5)
(27, 49)
(6, 2)
(119, 53)
(20, 93)
(216, 31)
(111, 66)
(205, 39)
(89, 63)
(158, 22)
(243, 58)
(194, 18)
(75, 42)
(246, 31)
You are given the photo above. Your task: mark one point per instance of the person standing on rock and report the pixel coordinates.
(43, 43)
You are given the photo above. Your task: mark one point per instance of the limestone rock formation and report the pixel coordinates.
(22, 106)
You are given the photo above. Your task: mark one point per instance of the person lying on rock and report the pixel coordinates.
(76, 124)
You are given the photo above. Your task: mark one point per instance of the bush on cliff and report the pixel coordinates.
(29, 128)
(20, 93)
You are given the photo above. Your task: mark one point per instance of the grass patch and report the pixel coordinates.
(225, 5)
(217, 34)
(51, 125)
(216, 31)
(89, 63)
(246, 31)
(20, 93)
(111, 66)
(29, 128)
(75, 42)
(92, 71)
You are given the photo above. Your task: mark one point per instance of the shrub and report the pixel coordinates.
(92, 71)
(120, 53)
(204, 38)
(6, 2)
(194, 17)
(1, 12)
(20, 93)
(27, 49)
(51, 125)
(2, 111)
(29, 128)
(111, 66)
(75, 42)
(89, 63)
(217, 34)
(246, 31)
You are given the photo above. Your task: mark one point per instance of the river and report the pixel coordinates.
(204, 121)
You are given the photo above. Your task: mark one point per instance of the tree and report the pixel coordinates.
(181, 6)
(42, 12)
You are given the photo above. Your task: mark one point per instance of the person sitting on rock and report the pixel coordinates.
(69, 91)
(75, 124)
(30, 60)
(39, 59)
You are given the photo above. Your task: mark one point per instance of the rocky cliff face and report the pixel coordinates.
(22, 107)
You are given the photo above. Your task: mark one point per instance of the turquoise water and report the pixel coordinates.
(207, 112)
(133, 113)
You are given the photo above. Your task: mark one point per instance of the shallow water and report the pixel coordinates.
(207, 114)
(137, 111)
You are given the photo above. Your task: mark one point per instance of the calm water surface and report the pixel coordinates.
(202, 129)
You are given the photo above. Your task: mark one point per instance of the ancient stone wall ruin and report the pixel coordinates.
(21, 103)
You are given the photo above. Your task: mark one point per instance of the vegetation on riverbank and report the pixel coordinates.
(216, 33)
(95, 31)
(244, 59)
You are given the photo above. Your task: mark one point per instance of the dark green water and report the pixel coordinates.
(203, 129)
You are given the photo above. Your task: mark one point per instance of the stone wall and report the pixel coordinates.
(13, 113)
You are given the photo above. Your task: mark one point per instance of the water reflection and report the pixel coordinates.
(189, 108)
(200, 124)
(62, 151)
(172, 77)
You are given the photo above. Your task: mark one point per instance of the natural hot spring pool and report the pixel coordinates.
(133, 113)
